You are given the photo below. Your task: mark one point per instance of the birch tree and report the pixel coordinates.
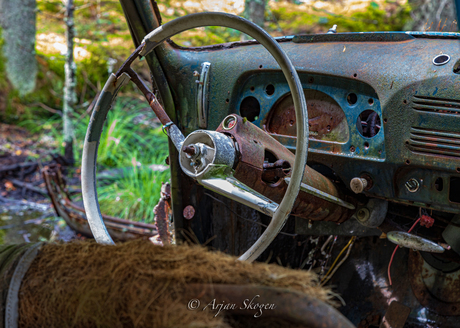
(70, 96)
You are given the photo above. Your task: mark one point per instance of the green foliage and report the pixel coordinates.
(211, 35)
(128, 141)
(292, 21)
(3, 81)
(134, 195)
(122, 137)
(374, 18)
(127, 131)
(49, 7)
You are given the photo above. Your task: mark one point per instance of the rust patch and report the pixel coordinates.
(396, 315)
(162, 212)
(326, 118)
(258, 150)
(434, 289)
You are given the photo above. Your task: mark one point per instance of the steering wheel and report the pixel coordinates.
(218, 153)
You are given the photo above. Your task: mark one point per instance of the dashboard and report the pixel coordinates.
(384, 106)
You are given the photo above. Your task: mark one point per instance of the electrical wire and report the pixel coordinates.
(325, 244)
(348, 245)
(394, 252)
(326, 278)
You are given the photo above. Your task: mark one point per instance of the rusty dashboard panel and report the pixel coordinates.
(342, 113)
(326, 117)
(395, 110)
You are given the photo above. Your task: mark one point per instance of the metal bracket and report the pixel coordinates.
(202, 95)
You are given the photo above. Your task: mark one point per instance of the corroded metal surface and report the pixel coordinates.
(437, 290)
(210, 149)
(326, 118)
(396, 315)
(253, 145)
(162, 213)
(189, 212)
(408, 240)
(74, 215)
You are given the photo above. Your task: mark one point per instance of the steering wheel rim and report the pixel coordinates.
(115, 82)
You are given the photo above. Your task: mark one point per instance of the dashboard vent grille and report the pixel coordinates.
(434, 142)
(436, 105)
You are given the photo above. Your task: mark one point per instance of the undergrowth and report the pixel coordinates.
(132, 141)
(135, 194)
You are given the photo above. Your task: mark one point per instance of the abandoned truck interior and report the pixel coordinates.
(288, 150)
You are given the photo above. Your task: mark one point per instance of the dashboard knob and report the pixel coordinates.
(358, 185)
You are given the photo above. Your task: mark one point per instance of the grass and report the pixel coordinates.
(134, 195)
(131, 140)
(130, 128)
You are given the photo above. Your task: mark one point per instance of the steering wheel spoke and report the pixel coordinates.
(241, 193)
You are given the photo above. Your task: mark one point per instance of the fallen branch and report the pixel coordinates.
(29, 186)
(69, 203)
(16, 166)
(19, 166)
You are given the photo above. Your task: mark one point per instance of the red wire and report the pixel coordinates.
(394, 252)
(413, 226)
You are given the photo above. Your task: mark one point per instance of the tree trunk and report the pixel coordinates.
(254, 10)
(18, 19)
(70, 96)
(433, 16)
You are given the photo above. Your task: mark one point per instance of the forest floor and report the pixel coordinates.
(26, 213)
